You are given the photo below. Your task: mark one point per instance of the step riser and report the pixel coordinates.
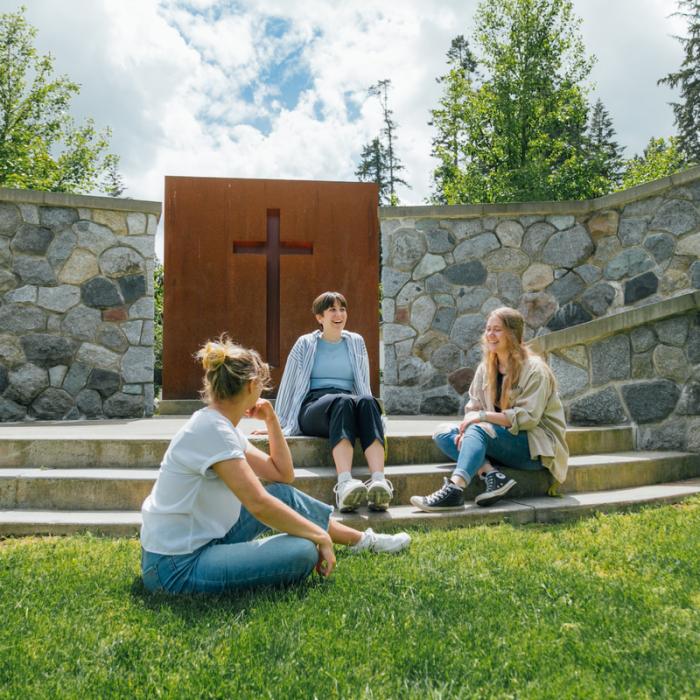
(536, 510)
(306, 452)
(46, 492)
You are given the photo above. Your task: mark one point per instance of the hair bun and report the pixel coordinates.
(214, 356)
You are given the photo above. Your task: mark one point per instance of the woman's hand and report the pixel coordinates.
(326, 558)
(469, 418)
(261, 411)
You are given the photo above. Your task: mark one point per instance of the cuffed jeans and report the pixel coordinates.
(502, 447)
(238, 561)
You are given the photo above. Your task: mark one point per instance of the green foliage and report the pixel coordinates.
(374, 167)
(604, 153)
(112, 182)
(158, 291)
(687, 78)
(378, 161)
(450, 120)
(41, 147)
(512, 121)
(607, 607)
(660, 158)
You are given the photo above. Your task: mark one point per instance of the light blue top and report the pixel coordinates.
(296, 378)
(332, 368)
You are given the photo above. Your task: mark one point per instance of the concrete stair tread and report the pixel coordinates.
(575, 462)
(161, 428)
(525, 510)
(126, 446)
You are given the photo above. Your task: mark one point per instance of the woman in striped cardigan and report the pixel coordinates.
(325, 392)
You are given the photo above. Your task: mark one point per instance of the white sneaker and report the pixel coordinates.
(380, 543)
(349, 495)
(379, 494)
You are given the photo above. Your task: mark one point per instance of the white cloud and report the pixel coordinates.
(186, 85)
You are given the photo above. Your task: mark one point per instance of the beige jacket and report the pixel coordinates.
(536, 408)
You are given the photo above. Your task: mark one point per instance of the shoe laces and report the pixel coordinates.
(441, 492)
(492, 478)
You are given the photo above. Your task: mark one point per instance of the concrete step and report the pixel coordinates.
(517, 511)
(85, 446)
(125, 489)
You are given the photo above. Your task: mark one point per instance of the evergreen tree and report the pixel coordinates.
(113, 182)
(378, 161)
(687, 111)
(40, 145)
(604, 153)
(374, 167)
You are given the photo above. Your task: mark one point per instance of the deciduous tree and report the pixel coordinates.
(41, 147)
(659, 159)
(521, 113)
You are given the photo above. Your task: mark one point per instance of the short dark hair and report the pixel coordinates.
(326, 300)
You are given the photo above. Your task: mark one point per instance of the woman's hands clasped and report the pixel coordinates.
(470, 417)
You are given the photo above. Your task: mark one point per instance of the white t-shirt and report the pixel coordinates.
(189, 504)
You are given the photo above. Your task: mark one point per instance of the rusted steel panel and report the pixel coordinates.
(218, 267)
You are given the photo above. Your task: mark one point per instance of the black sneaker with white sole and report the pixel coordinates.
(497, 486)
(449, 497)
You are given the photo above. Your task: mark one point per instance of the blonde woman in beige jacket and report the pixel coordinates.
(514, 418)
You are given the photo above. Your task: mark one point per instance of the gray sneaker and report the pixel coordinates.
(349, 495)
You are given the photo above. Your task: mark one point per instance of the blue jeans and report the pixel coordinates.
(235, 561)
(504, 448)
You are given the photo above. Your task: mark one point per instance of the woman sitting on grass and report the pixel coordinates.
(325, 392)
(514, 417)
(208, 505)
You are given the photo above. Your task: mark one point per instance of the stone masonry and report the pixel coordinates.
(561, 264)
(641, 366)
(76, 310)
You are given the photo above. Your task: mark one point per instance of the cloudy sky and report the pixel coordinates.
(278, 88)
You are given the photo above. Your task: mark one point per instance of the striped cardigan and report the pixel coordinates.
(296, 378)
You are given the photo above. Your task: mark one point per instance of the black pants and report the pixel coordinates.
(337, 414)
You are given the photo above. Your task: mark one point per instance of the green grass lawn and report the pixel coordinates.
(607, 607)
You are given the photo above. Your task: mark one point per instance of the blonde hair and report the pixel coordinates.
(518, 354)
(228, 367)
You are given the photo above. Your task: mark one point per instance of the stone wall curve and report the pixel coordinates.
(560, 263)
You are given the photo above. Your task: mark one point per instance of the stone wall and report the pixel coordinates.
(76, 311)
(561, 264)
(640, 366)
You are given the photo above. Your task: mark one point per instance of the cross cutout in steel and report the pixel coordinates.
(273, 249)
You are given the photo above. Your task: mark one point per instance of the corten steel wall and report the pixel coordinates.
(215, 286)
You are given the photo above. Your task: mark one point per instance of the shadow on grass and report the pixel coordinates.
(194, 605)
